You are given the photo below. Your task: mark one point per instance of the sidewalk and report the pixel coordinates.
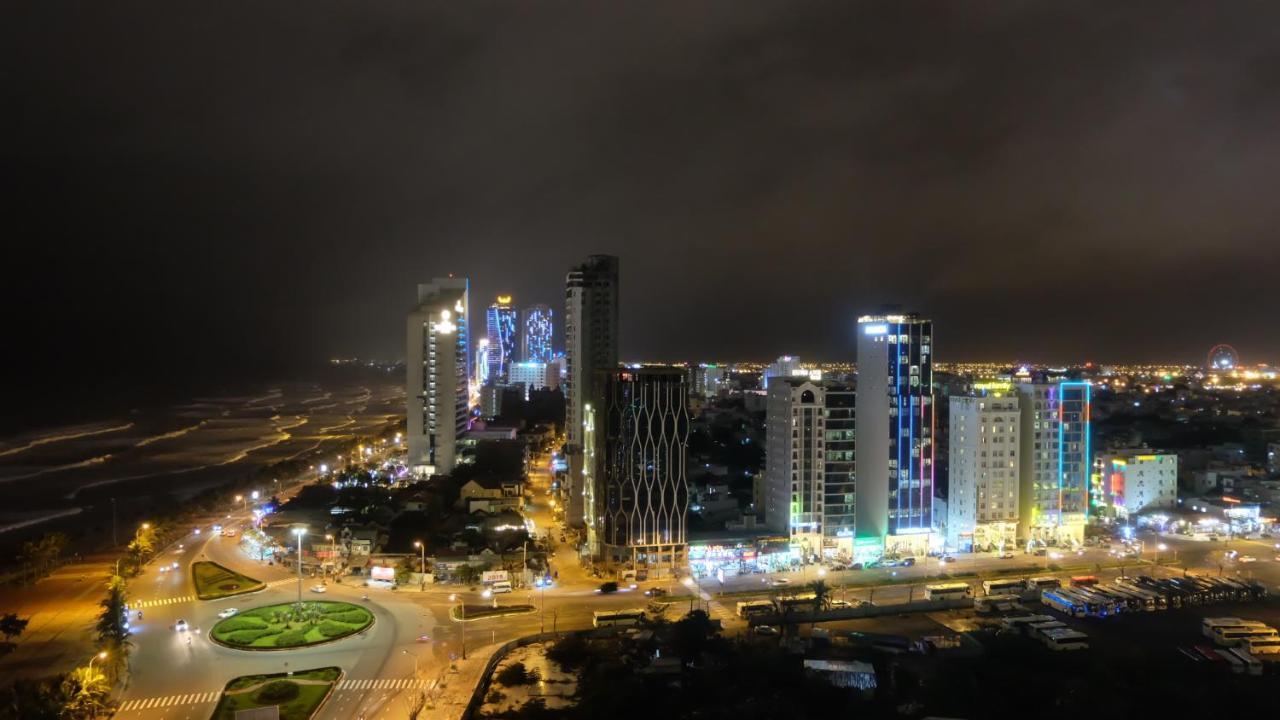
(450, 693)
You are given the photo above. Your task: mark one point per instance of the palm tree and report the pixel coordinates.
(111, 620)
(87, 693)
(821, 595)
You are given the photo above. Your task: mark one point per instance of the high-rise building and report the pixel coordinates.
(437, 370)
(534, 376)
(788, 366)
(895, 411)
(708, 378)
(591, 346)
(635, 447)
(982, 504)
(809, 465)
(501, 323)
(535, 334)
(481, 369)
(1128, 482)
(1054, 472)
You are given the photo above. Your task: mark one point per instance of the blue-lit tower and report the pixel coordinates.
(500, 322)
(536, 327)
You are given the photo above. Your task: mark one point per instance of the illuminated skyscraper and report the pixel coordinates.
(895, 415)
(982, 501)
(1055, 465)
(535, 334)
(437, 369)
(591, 346)
(636, 443)
(501, 324)
(481, 369)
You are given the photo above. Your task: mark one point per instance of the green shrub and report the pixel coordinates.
(277, 692)
(334, 629)
(244, 637)
(354, 617)
(233, 624)
(292, 638)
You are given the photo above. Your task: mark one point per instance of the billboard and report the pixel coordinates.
(379, 572)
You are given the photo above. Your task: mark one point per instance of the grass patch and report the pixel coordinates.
(288, 625)
(299, 695)
(214, 581)
(477, 612)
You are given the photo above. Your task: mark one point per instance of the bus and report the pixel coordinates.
(1039, 629)
(1106, 605)
(620, 618)
(1129, 599)
(502, 586)
(1065, 639)
(993, 603)
(800, 601)
(1209, 624)
(1016, 623)
(1262, 646)
(754, 607)
(1041, 583)
(1232, 636)
(1251, 664)
(1065, 602)
(948, 591)
(1081, 581)
(1004, 586)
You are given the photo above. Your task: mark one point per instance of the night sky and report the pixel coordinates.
(226, 186)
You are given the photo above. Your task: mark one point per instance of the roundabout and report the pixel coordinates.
(286, 626)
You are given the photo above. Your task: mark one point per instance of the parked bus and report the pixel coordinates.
(992, 603)
(1065, 639)
(754, 607)
(1004, 586)
(620, 618)
(1039, 629)
(948, 591)
(1016, 623)
(1133, 601)
(1232, 636)
(1041, 583)
(1107, 605)
(1209, 624)
(1262, 646)
(1252, 665)
(1065, 602)
(1081, 581)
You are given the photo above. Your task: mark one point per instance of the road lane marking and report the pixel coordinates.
(159, 602)
(170, 700)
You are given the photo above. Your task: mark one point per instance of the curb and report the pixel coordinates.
(493, 616)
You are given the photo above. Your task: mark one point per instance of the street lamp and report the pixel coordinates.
(240, 499)
(333, 550)
(100, 656)
(1160, 548)
(415, 662)
(422, 556)
(688, 582)
(462, 608)
(489, 594)
(299, 532)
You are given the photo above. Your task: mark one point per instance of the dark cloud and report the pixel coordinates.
(257, 185)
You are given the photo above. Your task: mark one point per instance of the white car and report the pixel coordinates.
(1247, 559)
(180, 626)
(164, 568)
(318, 588)
(778, 582)
(227, 613)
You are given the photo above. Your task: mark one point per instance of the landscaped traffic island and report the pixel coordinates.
(214, 581)
(290, 625)
(298, 695)
(480, 612)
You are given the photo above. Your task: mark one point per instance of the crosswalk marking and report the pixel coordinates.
(168, 700)
(158, 602)
(208, 697)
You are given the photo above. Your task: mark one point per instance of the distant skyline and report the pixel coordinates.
(765, 172)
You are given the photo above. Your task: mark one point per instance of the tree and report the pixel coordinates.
(33, 699)
(86, 692)
(467, 574)
(517, 674)
(656, 612)
(117, 660)
(405, 568)
(12, 626)
(821, 595)
(110, 625)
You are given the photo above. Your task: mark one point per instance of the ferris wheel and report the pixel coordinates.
(1222, 357)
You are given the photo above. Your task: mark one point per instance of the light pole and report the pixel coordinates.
(688, 582)
(333, 550)
(422, 556)
(415, 662)
(100, 656)
(299, 532)
(240, 499)
(1160, 547)
(462, 608)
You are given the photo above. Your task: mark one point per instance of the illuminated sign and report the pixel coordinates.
(876, 329)
(379, 572)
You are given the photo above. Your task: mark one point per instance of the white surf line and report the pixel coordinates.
(70, 466)
(170, 435)
(41, 519)
(59, 438)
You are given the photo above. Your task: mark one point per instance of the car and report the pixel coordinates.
(1231, 554)
(607, 587)
(1040, 552)
(655, 592)
(174, 566)
(765, 630)
(224, 614)
(841, 604)
(164, 568)
(856, 566)
(217, 528)
(424, 638)
(1247, 559)
(318, 588)
(907, 562)
(779, 582)
(947, 559)
(180, 626)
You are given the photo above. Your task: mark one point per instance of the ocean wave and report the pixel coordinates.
(64, 436)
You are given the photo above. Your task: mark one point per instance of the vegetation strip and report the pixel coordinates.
(299, 695)
(289, 625)
(213, 581)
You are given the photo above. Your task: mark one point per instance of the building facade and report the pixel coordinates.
(437, 374)
(982, 505)
(838, 501)
(895, 412)
(503, 334)
(708, 379)
(534, 376)
(591, 346)
(536, 326)
(1132, 481)
(1055, 467)
(637, 447)
(795, 433)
